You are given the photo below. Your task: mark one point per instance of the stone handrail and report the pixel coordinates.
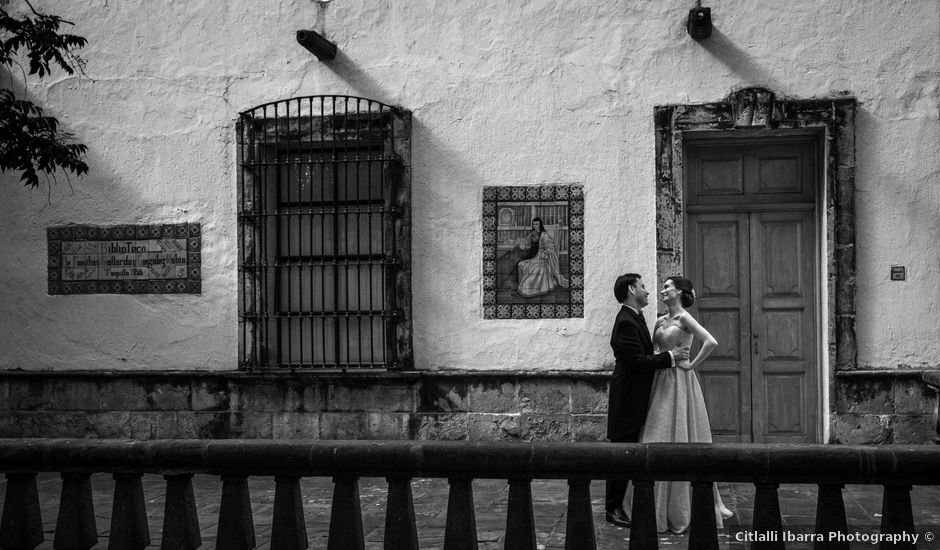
(897, 468)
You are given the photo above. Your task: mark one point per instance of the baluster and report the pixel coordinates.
(579, 531)
(180, 520)
(75, 527)
(346, 516)
(767, 516)
(129, 529)
(460, 532)
(289, 529)
(830, 517)
(703, 527)
(897, 517)
(520, 519)
(236, 525)
(643, 532)
(401, 532)
(21, 524)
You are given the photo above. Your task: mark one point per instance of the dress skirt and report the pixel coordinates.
(677, 414)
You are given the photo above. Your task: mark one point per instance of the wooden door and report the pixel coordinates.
(783, 332)
(718, 265)
(750, 250)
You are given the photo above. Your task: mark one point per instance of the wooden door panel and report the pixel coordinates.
(785, 341)
(778, 174)
(720, 275)
(782, 172)
(781, 244)
(721, 175)
(783, 321)
(786, 410)
(722, 391)
(725, 326)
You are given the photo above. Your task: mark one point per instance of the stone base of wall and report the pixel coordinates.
(471, 406)
(428, 406)
(884, 407)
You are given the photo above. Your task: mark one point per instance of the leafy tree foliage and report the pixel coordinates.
(31, 142)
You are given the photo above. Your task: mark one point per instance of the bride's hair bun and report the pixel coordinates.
(684, 286)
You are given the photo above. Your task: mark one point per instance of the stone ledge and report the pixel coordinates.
(312, 374)
(225, 374)
(896, 373)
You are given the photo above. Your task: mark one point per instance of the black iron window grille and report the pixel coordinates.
(324, 234)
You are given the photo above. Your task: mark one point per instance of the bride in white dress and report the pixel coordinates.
(677, 411)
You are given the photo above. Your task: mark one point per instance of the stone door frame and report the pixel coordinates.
(756, 109)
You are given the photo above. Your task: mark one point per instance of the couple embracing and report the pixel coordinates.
(655, 395)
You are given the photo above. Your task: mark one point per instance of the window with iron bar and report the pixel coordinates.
(324, 235)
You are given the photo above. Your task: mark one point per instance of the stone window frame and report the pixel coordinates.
(754, 109)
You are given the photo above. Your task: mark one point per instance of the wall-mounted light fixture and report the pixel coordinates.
(699, 24)
(318, 46)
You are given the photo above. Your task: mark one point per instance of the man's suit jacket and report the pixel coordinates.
(632, 381)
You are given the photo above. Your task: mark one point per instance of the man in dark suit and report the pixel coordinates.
(632, 381)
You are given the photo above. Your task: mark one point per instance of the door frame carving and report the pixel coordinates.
(757, 111)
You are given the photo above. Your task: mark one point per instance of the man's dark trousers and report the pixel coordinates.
(617, 488)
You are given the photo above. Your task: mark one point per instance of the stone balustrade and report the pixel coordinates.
(896, 467)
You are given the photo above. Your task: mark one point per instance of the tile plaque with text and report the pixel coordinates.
(125, 259)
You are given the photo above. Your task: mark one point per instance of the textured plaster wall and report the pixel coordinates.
(503, 93)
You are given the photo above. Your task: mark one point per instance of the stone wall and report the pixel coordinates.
(525, 407)
(884, 407)
(872, 409)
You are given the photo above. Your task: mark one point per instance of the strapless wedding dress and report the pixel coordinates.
(677, 414)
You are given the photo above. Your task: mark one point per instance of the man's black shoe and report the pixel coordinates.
(618, 517)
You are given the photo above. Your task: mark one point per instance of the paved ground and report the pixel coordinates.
(797, 504)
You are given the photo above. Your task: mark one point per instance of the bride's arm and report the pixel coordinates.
(708, 341)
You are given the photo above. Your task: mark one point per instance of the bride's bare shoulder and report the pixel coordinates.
(685, 316)
(685, 319)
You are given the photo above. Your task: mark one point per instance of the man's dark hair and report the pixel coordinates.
(623, 281)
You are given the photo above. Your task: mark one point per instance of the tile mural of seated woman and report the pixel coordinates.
(538, 272)
(533, 245)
